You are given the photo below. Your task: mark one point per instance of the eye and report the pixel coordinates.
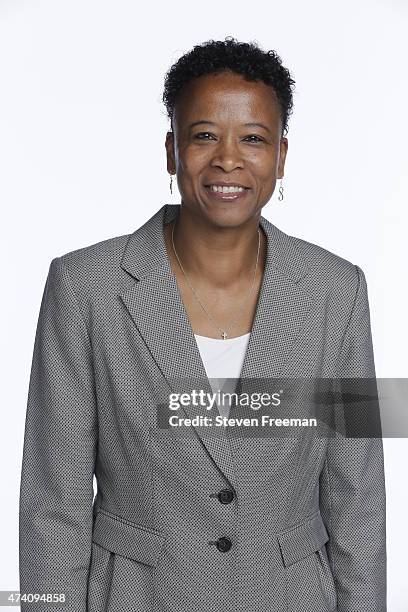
(258, 139)
(202, 134)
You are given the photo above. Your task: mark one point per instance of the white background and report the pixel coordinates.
(82, 159)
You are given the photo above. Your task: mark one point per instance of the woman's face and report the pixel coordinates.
(213, 143)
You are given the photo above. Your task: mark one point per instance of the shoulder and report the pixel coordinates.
(101, 264)
(322, 259)
(325, 268)
(93, 271)
(96, 257)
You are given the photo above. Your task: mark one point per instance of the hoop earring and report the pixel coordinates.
(280, 198)
(171, 184)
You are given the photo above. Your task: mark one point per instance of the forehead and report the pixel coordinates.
(227, 97)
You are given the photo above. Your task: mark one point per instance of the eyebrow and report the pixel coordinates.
(252, 124)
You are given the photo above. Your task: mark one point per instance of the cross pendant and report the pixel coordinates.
(224, 335)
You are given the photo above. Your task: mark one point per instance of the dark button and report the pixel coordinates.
(224, 544)
(225, 496)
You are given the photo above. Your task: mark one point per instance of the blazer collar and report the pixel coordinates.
(145, 249)
(155, 305)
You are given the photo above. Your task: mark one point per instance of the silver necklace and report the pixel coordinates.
(224, 333)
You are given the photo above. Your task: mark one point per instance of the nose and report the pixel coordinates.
(227, 155)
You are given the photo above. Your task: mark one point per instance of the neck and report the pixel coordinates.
(219, 256)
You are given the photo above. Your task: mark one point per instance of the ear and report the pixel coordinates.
(282, 157)
(169, 144)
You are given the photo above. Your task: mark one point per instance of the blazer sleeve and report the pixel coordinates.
(352, 484)
(60, 439)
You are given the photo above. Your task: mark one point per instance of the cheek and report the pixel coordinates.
(191, 163)
(266, 177)
(263, 165)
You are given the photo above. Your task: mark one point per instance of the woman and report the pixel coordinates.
(209, 289)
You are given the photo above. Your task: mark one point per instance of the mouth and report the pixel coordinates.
(232, 192)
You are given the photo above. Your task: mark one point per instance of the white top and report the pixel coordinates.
(222, 359)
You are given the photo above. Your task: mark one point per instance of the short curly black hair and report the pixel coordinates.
(246, 59)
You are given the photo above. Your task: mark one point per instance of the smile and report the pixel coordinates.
(230, 192)
(225, 189)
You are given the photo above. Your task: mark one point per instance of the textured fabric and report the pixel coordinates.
(306, 518)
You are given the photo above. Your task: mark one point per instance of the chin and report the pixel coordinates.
(223, 216)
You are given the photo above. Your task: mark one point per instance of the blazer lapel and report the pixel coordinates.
(157, 309)
(283, 304)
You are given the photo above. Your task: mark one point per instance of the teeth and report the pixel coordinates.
(223, 189)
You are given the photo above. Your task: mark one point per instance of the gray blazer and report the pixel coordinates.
(205, 521)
